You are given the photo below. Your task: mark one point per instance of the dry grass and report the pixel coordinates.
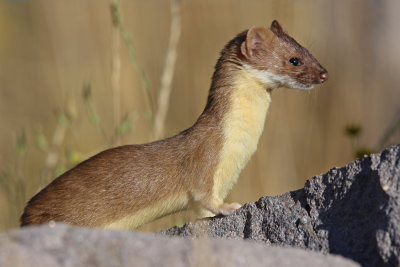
(77, 78)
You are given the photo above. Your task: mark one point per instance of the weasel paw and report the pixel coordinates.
(228, 208)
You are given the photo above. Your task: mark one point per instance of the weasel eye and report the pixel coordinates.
(295, 61)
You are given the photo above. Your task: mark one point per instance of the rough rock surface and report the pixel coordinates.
(64, 245)
(352, 211)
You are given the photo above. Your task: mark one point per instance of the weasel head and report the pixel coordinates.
(276, 60)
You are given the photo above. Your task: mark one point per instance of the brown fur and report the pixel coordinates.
(122, 180)
(127, 179)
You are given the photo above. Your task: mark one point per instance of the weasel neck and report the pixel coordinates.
(242, 126)
(237, 106)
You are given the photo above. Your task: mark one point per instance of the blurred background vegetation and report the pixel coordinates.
(77, 77)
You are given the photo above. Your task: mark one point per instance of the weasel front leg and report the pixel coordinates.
(228, 208)
(211, 206)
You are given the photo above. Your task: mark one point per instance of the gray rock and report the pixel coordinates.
(352, 211)
(274, 220)
(64, 245)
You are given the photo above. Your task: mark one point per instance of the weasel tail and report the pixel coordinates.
(128, 186)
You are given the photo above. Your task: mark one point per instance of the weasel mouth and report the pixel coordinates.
(304, 86)
(293, 84)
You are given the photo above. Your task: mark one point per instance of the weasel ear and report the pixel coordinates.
(277, 28)
(255, 37)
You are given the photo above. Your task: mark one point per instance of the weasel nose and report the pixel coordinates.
(323, 76)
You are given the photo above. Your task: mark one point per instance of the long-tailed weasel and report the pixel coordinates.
(127, 186)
